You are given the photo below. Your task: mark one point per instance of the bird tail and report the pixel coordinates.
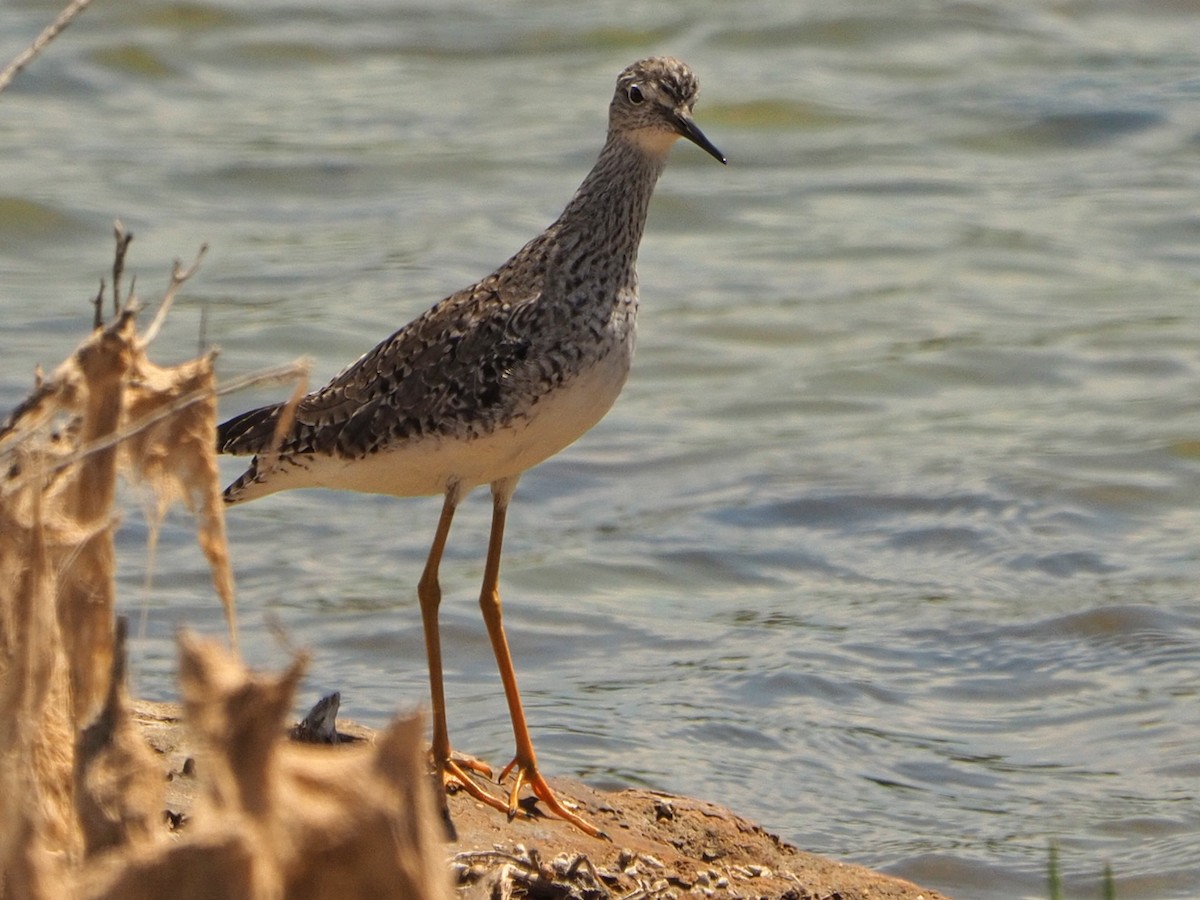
(242, 488)
(252, 433)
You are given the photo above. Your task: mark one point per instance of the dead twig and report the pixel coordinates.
(123, 238)
(178, 276)
(522, 873)
(49, 33)
(98, 308)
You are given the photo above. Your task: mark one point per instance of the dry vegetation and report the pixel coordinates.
(83, 794)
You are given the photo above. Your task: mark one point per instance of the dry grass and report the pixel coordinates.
(81, 793)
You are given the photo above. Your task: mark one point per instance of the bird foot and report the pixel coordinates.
(457, 775)
(471, 763)
(529, 775)
(457, 772)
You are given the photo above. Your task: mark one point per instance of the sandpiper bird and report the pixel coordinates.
(491, 381)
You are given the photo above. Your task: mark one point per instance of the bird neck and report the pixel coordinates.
(608, 212)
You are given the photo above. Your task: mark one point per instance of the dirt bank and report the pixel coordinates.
(661, 844)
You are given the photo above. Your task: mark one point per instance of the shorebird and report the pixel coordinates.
(490, 381)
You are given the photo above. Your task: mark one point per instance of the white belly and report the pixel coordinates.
(427, 465)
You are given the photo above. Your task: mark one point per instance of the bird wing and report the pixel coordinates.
(450, 369)
(444, 371)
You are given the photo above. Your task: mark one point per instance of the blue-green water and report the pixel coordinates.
(892, 542)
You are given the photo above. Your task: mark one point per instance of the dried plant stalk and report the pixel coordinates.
(281, 820)
(81, 794)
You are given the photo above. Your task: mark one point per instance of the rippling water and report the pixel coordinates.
(892, 541)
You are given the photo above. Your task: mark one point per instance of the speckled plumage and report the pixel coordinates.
(490, 381)
(487, 358)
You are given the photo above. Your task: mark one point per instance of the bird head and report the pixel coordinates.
(653, 103)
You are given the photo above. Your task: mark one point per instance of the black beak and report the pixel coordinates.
(688, 129)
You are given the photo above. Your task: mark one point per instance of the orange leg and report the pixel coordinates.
(525, 760)
(429, 592)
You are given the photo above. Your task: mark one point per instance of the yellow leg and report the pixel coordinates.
(525, 760)
(429, 592)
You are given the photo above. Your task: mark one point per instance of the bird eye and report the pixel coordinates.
(635, 94)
